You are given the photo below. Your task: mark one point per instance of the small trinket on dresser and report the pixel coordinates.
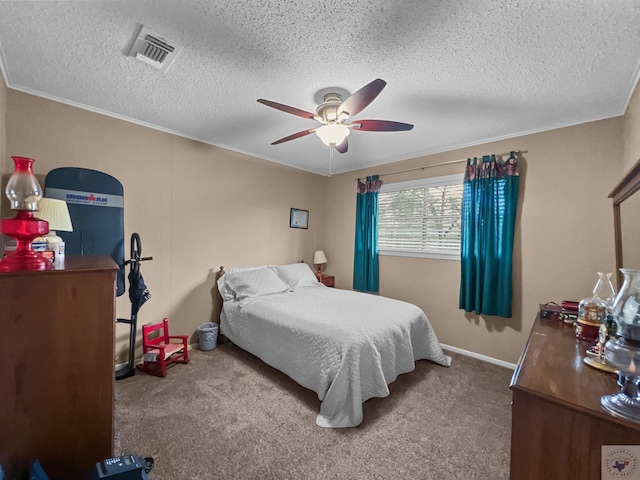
(602, 339)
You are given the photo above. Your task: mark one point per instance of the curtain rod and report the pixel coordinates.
(517, 152)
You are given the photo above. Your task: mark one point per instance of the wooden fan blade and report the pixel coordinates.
(380, 126)
(344, 146)
(294, 136)
(287, 108)
(363, 97)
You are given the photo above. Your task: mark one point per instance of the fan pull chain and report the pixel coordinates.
(330, 159)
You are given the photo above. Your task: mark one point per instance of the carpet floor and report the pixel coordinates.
(227, 415)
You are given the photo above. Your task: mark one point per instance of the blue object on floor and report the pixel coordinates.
(36, 472)
(208, 336)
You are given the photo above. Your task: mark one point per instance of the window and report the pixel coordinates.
(421, 218)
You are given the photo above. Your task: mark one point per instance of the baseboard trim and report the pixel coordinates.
(479, 356)
(121, 365)
(485, 358)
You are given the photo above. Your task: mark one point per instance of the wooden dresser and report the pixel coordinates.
(558, 426)
(57, 367)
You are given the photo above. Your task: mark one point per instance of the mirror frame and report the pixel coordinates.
(629, 185)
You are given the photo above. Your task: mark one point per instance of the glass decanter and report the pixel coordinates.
(592, 311)
(607, 292)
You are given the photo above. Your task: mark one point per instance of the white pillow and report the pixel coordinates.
(296, 275)
(256, 282)
(225, 291)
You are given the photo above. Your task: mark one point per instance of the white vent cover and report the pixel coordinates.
(152, 49)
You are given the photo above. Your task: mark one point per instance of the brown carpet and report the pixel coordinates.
(227, 415)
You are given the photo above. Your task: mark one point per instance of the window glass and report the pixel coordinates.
(421, 218)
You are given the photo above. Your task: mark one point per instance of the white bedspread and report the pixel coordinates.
(344, 345)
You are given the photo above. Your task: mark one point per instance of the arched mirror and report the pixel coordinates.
(626, 220)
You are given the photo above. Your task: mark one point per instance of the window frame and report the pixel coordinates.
(443, 180)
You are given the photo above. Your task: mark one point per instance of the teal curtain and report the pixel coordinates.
(365, 262)
(489, 202)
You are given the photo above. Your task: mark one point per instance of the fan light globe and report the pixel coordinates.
(333, 134)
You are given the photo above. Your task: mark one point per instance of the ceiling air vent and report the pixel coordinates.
(152, 49)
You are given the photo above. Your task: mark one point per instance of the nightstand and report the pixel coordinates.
(328, 280)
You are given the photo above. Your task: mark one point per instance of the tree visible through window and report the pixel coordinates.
(421, 217)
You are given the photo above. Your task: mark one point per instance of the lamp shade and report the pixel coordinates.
(56, 213)
(333, 134)
(319, 257)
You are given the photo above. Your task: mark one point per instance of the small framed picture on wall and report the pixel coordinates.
(299, 218)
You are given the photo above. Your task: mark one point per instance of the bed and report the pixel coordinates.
(346, 346)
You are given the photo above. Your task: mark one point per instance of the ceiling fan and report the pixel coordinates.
(333, 112)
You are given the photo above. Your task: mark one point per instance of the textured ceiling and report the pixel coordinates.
(463, 72)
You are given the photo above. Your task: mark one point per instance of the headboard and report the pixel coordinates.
(219, 300)
(629, 185)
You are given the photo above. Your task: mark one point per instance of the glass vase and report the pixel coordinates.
(607, 292)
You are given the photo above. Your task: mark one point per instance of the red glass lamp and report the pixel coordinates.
(24, 192)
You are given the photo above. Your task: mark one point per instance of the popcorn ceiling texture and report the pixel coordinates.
(463, 72)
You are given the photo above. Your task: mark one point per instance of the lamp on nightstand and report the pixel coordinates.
(319, 259)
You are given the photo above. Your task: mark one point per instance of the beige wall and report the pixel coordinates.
(4, 160)
(3, 126)
(195, 206)
(564, 234)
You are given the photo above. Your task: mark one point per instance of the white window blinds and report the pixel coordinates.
(421, 217)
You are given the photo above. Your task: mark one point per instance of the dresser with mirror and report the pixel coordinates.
(558, 426)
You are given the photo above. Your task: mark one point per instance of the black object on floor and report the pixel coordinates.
(126, 467)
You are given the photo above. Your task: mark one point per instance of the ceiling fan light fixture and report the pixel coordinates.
(333, 134)
(333, 112)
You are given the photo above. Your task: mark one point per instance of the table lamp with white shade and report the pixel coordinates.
(319, 259)
(56, 213)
